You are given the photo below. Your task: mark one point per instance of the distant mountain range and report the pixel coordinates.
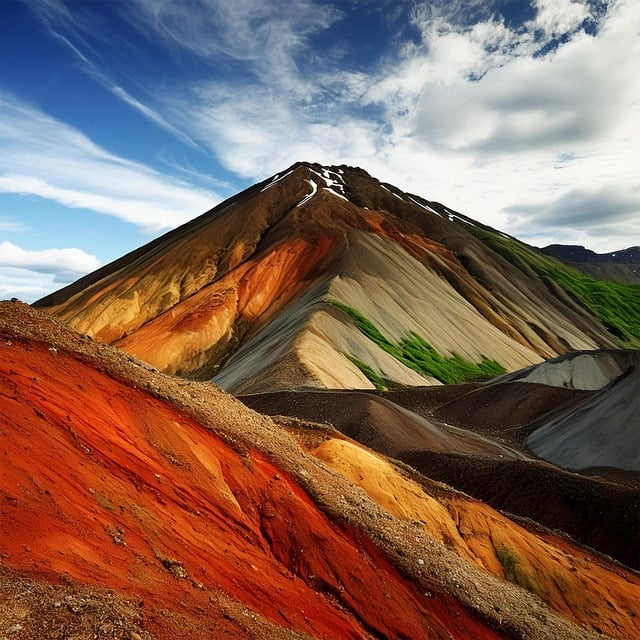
(326, 277)
(621, 266)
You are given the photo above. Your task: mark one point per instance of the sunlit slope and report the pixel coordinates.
(578, 411)
(215, 519)
(127, 491)
(550, 568)
(243, 292)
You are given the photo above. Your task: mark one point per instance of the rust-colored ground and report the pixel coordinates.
(559, 576)
(135, 506)
(103, 485)
(484, 455)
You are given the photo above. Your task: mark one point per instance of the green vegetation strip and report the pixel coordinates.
(378, 381)
(616, 305)
(417, 354)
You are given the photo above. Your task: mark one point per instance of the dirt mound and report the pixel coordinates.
(375, 421)
(599, 513)
(591, 370)
(498, 407)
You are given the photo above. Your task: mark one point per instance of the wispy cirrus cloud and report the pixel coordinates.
(10, 224)
(269, 36)
(482, 108)
(50, 159)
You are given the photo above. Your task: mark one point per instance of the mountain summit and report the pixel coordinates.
(326, 277)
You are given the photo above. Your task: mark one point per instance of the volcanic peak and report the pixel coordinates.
(245, 294)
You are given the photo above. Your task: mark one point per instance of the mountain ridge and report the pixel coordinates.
(258, 274)
(622, 265)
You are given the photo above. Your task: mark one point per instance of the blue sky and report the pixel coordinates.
(120, 120)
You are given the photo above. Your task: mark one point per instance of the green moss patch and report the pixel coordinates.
(378, 381)
(417, 354)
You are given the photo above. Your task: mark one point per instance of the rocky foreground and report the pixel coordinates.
(138, 505)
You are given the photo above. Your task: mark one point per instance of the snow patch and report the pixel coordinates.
(276, 178)
(332, 180)
(338, 195)
(424, 206)
(454, 216)
(314, 190)
(393, 193)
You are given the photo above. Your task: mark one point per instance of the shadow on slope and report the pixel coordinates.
(483, 455)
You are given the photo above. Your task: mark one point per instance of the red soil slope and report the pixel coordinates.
(197, 517)
(105, 485)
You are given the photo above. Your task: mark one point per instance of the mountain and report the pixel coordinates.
(621, 266)
(325, 277)
(580, 255)
(137, 505)
(434, 432)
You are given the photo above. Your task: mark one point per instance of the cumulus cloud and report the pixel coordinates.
(29, 275)
(557, 17)
(481, 88)
(47, 260)
(48, 158)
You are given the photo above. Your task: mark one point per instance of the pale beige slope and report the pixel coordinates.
(330, 339)
(309, 344)
(589, 371)
(374, 281)
(267, 359)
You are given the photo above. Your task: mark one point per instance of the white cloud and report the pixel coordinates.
(256, 132)
(48, 158)
(264, 34)
(484, 126)
(556, 17)
(47, 260)
(482, 114)
(587, 213)
(29, 275)
(25, 285)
